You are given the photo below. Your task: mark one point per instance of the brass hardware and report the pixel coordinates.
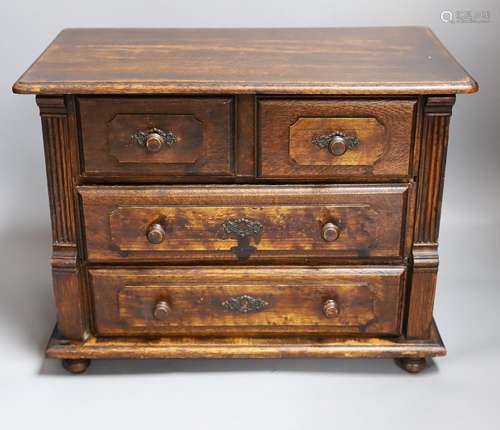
(161, 310)
(330, 232)
(330, 308)
(242, 229)
(154, 142)
(244, 304)
(337, 143)
(154, 139)
(156, 233)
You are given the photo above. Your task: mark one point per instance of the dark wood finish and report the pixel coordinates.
(288, 130)
(69, 295)
(118, 221)
(58, 124)
(304, 222)
(76, 366)
(245, 136)
(437, 113)
(247, 347)
(201, 130)
(214, 301)
(412, 364)
(392, 60)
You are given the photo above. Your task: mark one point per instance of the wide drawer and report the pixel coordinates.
(248, 300)
(358, 138)
(128, 137)
(240, 223)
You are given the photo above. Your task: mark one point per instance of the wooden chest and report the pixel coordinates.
(245, 193)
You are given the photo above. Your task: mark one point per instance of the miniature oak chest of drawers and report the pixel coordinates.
(245, 193)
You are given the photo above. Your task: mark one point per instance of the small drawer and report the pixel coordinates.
(244, 223)
(148, 137)
(245, 301)
(355, 139)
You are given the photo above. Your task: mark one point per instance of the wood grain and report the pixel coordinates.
(422, 292)
(371, 220)
(437, 113)
(287, 128)
(59, 169)
(203, 128)
(57, 114)
(391, 60)
(279, 247)
(247, 347)
(246, 136)
(369, 300)
(70, 299)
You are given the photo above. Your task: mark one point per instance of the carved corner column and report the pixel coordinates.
(437, 112)
(58, 125)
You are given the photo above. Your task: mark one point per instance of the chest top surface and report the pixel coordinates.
(390, 60)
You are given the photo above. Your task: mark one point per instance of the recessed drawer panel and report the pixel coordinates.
(335, 138)
(147, 137)
(252, 300)
(244, 223)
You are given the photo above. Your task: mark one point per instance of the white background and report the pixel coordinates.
(458, 392)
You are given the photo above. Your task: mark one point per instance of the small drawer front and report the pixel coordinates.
(225, 301)
(245, 223)
(148, 137)
(336, 138)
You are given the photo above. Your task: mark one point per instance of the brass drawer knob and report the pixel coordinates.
(330, 308)
(154, 139)
(156, 233)
(330, 232)
(337, 143)
(154, 142)
(161, 310)
(337, 146)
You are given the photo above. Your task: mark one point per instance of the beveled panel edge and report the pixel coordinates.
(353, 177)
(85, 175)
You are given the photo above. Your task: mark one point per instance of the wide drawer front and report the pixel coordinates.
(301, 138)
(244, 223)
(252, 300)
(129, 138)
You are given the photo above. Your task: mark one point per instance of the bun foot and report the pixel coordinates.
(411, 364)
(76, 366)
